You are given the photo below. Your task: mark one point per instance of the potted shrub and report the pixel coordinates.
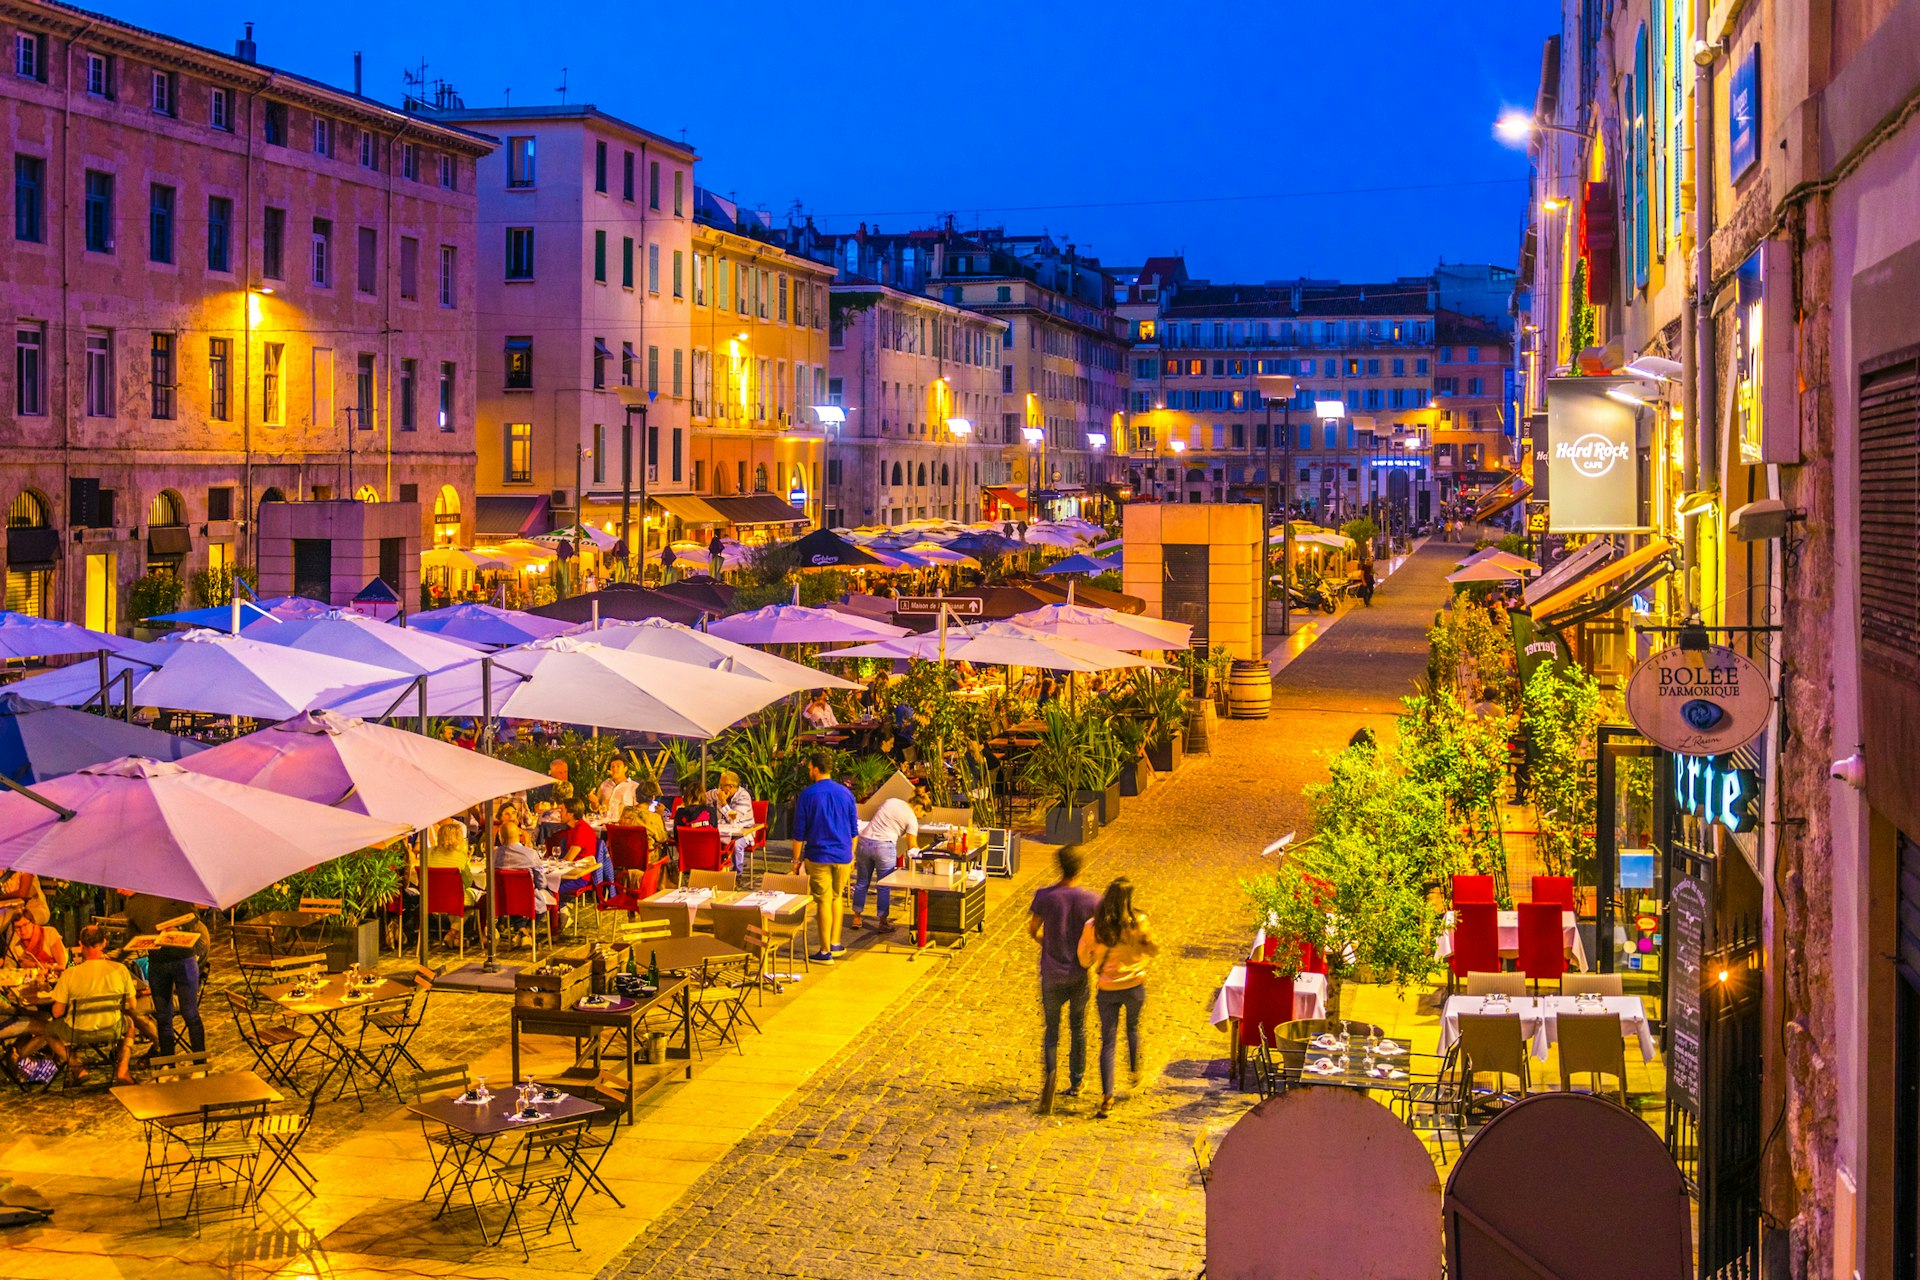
(157, 591)
(1104, 762)
(1135, 774)
(1059, 770)
(1166, 705)
(364, 882)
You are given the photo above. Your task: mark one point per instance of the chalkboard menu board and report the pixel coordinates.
(1687, 922)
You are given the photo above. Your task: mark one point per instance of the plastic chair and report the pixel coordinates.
(447, 896)
(719, 881)
(1555, 889)
(514, 896)
(1472, 889)
(700, 849)
(630, 847)
(1266, 1005)
(1476, 939)
(1599, 984)
(1494, 1044)
(1591, 1044)
(1543, 941)
(1487, 984)
(761, 812)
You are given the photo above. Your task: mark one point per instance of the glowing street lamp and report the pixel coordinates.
(1517, 128)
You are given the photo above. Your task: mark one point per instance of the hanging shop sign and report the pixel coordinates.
(1743, 114)
(1699, 702)
(1717, 793)
(1591, 458)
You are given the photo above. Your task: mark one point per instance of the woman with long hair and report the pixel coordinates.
(1116, 945)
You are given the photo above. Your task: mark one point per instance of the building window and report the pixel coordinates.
(160, 375)
(626, 364)
(410, 161)
(519, 253)
(220, 109)
(519, 461)
(677, 372)
(369, 150)
(653, 370)
(367, 260)
(159, 223)
(600, 166)
(600, 257)
(626, 184)
(699, 279)
(600, 354)
(446, 395)
(30, 55)
(30, 370)
(520, 162)
(679, 265)
(322, 136)
(409, 267)
(363, 391)
(29, 198)
(272, 368)
(449, 267)
(679, 198)
(220, 502)
(99, 374)
(626, 262)
(273, 244)
(322, 252)
(217, 380)
(653, 184)
(409, 377)
(449, 172)
(600, 436)
(99, 212)
(653, 268)
(219, 233)
(99, 75)
(276, 124)
(519, 364)
(162, 98)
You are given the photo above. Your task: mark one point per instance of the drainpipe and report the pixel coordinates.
(1704, 468)
(65, 383)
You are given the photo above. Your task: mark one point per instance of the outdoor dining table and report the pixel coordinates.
(771, 902)
(677, 955)
(324, 1003)
(622, 1015)
(1510, 937)
(924, 884)
(287, 923)
(1539, 1018)
(170, 1099)
(483, 1124)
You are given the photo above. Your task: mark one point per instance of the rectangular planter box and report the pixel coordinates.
(1136, 778)
(1166, 759)
(1072, 826)
(359, 945)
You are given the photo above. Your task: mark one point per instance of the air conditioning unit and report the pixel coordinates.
(561, 498)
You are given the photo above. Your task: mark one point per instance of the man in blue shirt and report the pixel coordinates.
(825, 820)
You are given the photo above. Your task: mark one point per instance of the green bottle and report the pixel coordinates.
(653, 970)
(633, 969)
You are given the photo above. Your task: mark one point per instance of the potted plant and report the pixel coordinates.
(1165, 702)
(1058, 770)
(1135, 774)
(157, 591)
(364, 882)
(1104, 761)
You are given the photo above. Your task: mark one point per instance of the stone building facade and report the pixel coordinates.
(227, 285)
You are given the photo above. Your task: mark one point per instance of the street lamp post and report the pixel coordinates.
(1036, 439)
(1278, 386)
(1179, 447)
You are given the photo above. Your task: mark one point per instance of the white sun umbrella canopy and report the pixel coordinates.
(1003, 644)
(678, 642)
(215, 673)
(361, 639)
(598, 539)
(799, 624)
(1058, 534)
(1485, 571)
(574, 680)
(487, 625)
(25, 636)
(372, 769)
(155, 827)
(1106, 627)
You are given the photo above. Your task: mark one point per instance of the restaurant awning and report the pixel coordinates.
(168, 541)
(1006, 497)
(757, 508)
(1603, 589)
(508, 515)
(1495, 503)
(690, 508)
(32, 548)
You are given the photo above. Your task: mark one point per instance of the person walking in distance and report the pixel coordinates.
(1116, 945)
(1366, 581)
(1059, 915)
(825, 820)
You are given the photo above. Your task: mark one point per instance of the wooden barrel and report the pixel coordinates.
(1249, 691)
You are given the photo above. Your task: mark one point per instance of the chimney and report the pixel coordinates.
(356, 73)
(244, 49)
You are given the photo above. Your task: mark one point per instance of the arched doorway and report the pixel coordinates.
(168, 540)
(446, 516)
(167, 508)
(33, 548)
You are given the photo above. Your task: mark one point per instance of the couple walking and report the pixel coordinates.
(1080, 933)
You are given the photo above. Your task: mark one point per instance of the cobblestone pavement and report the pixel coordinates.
(917, 1153)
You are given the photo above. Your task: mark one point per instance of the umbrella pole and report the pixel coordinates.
(490, 964)
(425, 926)
(106, 702)
(64, 812)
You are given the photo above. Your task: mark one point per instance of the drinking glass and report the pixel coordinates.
(480, 1086)
(1346, 1035)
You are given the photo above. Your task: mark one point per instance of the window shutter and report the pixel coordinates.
(1890, 514)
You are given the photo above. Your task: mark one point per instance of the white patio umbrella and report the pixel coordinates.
(1002, 644)
(488, 625)
(1047, 534)
(462, 558)
(1485, 571)
(24, 636)
(216, 673)
(155, 827)
(1105, 627)
(1508, 560)
(373, 769)
(1111, 544)
(934, 553)
(362, 639)
(599, 539)
(799, 624)
(575, 680)
(678, 642)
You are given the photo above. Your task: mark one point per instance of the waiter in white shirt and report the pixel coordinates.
(876, 854)
(612, 796)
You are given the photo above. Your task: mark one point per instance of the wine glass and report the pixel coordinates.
(480, 1088)
(1346, 1035)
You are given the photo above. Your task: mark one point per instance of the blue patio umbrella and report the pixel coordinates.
(219, 616)
(39, 740)
(1078, 564)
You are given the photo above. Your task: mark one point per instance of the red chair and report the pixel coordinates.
(1555, 889)
(447, 896)
(1312, 959)
(1266, 1005)
(1476, 939)
(630, 847)
(1543, 941)
(699, 848)
(514, 896)
(1472, 889)
(761, 810)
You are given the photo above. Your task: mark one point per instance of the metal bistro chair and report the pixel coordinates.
(672, 914)
(277, 1048)
(101, 1043)
(321, 931)
(741, 927)
(543, 1167)
(1437, 1104)
(280, 1134)
(789, 928)
(221, 1152)
(719, 1000)
(444, 1143)
(402, 1021)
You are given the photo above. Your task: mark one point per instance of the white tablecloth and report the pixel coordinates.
(1510, 937)
(1539, 1019)
(1309, 996)
(770, 901)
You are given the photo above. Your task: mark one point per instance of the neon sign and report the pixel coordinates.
(1716, 793)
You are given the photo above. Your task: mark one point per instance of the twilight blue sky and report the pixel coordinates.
(1262, 139)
